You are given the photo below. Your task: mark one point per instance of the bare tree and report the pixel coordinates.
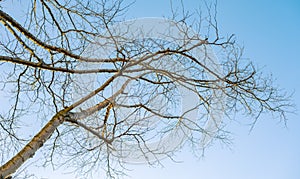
(107, 92)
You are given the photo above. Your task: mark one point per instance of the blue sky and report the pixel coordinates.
(268, 29)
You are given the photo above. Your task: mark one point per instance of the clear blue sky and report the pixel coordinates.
(269, 30)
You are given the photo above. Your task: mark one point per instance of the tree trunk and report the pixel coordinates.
(29, 150)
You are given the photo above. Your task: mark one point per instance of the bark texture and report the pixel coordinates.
(29, 150)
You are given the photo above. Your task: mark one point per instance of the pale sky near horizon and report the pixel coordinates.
(269, 31)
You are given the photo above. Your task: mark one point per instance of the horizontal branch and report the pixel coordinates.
(148, 109)
(51, 68)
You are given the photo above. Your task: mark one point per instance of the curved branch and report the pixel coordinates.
(5, 18)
